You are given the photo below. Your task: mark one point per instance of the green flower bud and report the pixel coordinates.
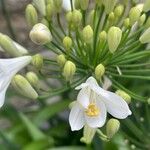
(40, 34)
(37, 61)
(124, 95)
(99, 2)
(69, 70)
(147, 24)
(146, 7)
(148, 101)
(87, 34)
(24, 87)
(88, 134)
(33, 79)
(134, 15)
(91, 17)
(145, 38)
(41, 6)
(111, 17)
(69, 17)
(119, 10)
(58, 5)
(67, 42)
(112, 127)
(126, 22)
(61, 60)
(31, 15)
(142, 20)
(77, 4)
(103, 36)
(114, 38)
(76, 17)
(45, 22)
(84, 4)
(49, 11)
(109, 5)
(99, 71)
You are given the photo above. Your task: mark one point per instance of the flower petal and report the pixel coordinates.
(100, 120)
(76, 118)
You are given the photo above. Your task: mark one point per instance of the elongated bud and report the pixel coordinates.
(146, 7)
(69, 70)
(124, 95)
(37, 61)
(31, 15)
(111, 17)
(142, 20)
(147, 24)
(24, 87)
(61, 60)
(103, 36)
(126, 23)
(41, 6)
(67, 42)
(99, 2)
(77, 4)
(145, 38)
(58, 5)
(109, 5)
(119, 10)
(91, 17)
(76, 17)
(99, 71)
(84, 4)
(45, 22)
(134, 15)
(112, 127)
(49, 11)
(69, 16)
(40, 34)
(88, 134)
(114, 38)
(33, 79)
(87, 34)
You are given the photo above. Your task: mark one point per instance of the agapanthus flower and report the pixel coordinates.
(92, 106)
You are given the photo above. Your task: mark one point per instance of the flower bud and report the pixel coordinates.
(37, 61)
(23, 87)
(45, 22)
(88, 134)
(111, 17)
(49, 11)
(109, 5)
(40, 34)
(91, 17)
(69, 70)
(31, 15)
(41, 6)
(58, 5)
(99, 2)
(103, 36)
(145, 38)
(87, 34)
(119, 10)
(124, 95)
(77, 4)
(112, 127)
(99, 71)
(67, 42)
(76, 17)
(33, 79)
(126, 23)
(61, 60)
(146, 7)
(147, 24)
(134, 15)
(142, 20)
(114, 38)
(84, 4)
(69, 17)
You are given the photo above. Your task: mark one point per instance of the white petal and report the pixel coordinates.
(107, 83)
(67, 5)
(99, 121)
(76, 118)
(83, 85)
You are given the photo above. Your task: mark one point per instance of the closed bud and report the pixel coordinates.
(24, 87)
(77, 4)
(31, 15)
(99, 71)
(61, 60)
(146, 7)
(111, 17)
(145, 38)
(114, 38)
(142, 20)
(67, 42)
(126, 23)
(33, 79)
(99, 2)
(87, 34)
(84, 4)
(124, 95)
(69, 70)
(69, 17)
(147, 24)
(103, 36)
(76, 17)
(88, 134)
(109, 5)
(112, 127)
(91, 17)
(58, 5)
(41, 6)
(45, 22)
(40, 34)
(49, 11)
(37, 61)
(119, 10)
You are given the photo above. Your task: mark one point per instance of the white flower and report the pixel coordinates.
(92, 106)
(67, 5)
(8, 68)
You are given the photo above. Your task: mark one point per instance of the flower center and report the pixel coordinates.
(92, 110)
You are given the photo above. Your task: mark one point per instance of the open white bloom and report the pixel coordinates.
(92, 106)
(8, 68)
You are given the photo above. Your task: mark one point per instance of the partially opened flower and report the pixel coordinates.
(92, 106)
(8, 68)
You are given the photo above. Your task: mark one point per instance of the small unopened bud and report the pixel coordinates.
(91, 17)
(145, 38)
(61, 60)
(147, 24)
(33, 79)
(142, 20)
(99, 71)
(119, 10)
(87, 34)
(84, 4)
(88, 134)
(69, 17)
(103, 36)
(111, 17)
(24, 87)
(41, 6)
(31, 15)
(126, 22)
(114, 38)
(49, 11)
(146, 7)
(37, 61)
(58, 5)
(67, 42)
(112, 127)
(40, 34)
(69, 70)
(134, 15)
(77, 4)
(109, 5)
(76, 17)
(124, 95)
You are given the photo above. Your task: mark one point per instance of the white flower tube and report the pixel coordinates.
(92, 106)
(67, 4)
(8, 68)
